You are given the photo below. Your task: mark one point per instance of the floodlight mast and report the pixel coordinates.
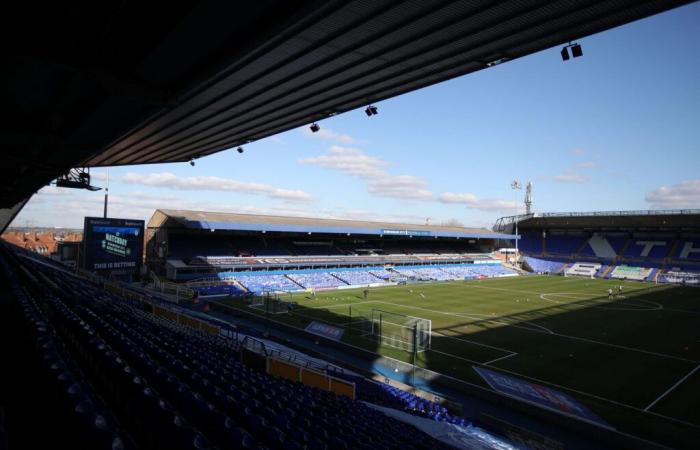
(516, 185)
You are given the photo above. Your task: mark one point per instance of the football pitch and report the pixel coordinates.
(634, 360)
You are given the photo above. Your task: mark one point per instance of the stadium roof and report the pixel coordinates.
(200, 220)
(132, 82)
(681, 219)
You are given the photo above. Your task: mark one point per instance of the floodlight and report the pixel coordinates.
(565, 54)
(239, 149)
(314, 127)
(576, 50)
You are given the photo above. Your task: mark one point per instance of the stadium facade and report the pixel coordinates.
(186, 245)
(662, 246)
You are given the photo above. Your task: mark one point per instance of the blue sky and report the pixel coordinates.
(617, 129)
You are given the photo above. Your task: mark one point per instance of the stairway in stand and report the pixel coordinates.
(607, 272)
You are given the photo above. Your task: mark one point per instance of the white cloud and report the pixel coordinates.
(401, 187)
(570, 177)
(684, 195)
(578, 152)
(586, 165)
(329, 135)
(208, 183)
(380, 183)
(69, 209)
(349, 160)
(99, 176)
(472, 201)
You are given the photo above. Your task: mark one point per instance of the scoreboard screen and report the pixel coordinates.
(113, 244)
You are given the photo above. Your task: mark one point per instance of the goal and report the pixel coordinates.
(270, 303)
(401, 331)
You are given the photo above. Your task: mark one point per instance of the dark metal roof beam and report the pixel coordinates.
(369, 57)
(418, 69)
(328, 9)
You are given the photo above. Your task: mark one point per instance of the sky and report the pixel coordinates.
(617, 129)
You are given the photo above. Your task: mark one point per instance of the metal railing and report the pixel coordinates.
(505, 221)
(179, 291)
(641, 212)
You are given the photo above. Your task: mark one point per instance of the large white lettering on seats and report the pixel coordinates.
(688, 249)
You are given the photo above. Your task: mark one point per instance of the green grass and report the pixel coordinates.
(562, 332)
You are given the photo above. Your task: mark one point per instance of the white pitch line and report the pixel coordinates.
(494, 319)
(472, 342)
(668, 391)
(455, 356)
(587, 394)
(566, 336)
(498, 359)
(501, 322)
(338, 306)
(605, 307)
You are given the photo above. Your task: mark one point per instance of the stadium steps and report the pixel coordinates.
(338, 278)
(240, 285)
(294, 281)
(512, 267)
(652, 274)
(375, 276)
(610, 272)
(607, 271)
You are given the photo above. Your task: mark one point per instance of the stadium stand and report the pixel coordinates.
(295, 280)
(563, 245)
(531, 243)
(259, 284)
(317, 280)
(426, 273)
(654, 247)
(479, 271)
(630, 273)
(220, 290)
(187, 245)
(637, 245)
(173, 387)
(356, 277)
(584, 269)
(681, 277)
(600, 246)
(385, 275)
(542, 265)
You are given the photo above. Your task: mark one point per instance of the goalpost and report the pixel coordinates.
(401, 331)
(272, 302)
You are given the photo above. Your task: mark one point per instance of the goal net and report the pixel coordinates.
(271, 303)
(401, 331)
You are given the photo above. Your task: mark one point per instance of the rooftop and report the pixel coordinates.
(263, 223)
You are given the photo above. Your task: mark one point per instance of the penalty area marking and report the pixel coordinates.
(566, 336)
(493, 319)
(668, 391)
(500, 321)
(587, 394)
(581, 296)
(498, 359)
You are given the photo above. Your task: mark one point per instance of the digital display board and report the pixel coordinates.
(114, 245)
